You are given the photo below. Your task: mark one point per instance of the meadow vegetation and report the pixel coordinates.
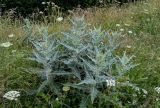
(70, 56)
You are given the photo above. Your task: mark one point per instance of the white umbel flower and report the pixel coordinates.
(6, 44)
(128, 46)
(111, 82)
(41, 12)
(59, 19)
(43, 3)
(157, 89)
(11, 35)
(100, 1)
(118, 25)
(12, 95)
(130, 32)
(127, 25)
(121, 30)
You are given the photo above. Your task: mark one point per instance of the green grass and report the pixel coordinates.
(144, 22)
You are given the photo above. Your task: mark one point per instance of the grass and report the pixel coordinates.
(143, 19)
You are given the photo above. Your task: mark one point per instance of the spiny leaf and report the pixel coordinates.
(94, 93)
(42, 86)
(87, 81)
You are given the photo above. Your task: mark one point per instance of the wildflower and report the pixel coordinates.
(127, 25)
(100, 1)
(157, 99)
(111, 82)
(41, 12)
(121, 30)
(59, 19)
(157, 89)
(66, 88)
(128, 46)
(43, 3)
(13, 51)
(130, 32)
(117, 25)
(12, 95)
(57, 99)
(11, 35)
(6, 44)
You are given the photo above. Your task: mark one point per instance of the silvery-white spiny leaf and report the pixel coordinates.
(87, 81)
(42, 86)
(69, 47)
(94, 93)
(125, 60)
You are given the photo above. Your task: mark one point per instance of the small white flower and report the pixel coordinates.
(157, 89)
(118, 25)
(128, 46)
(59, 19)
(11, 35)
(6, 44)
(12, 95)
(43, 3)
(41, 12)
(111, 82)
(100, 1)
(130, 32)
(13, 51)
(157, 99)
(57, 99)
(127, 25)
(121, 30)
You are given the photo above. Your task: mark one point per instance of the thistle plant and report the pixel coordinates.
(88, 58)
(45, 53)
(91, 56)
